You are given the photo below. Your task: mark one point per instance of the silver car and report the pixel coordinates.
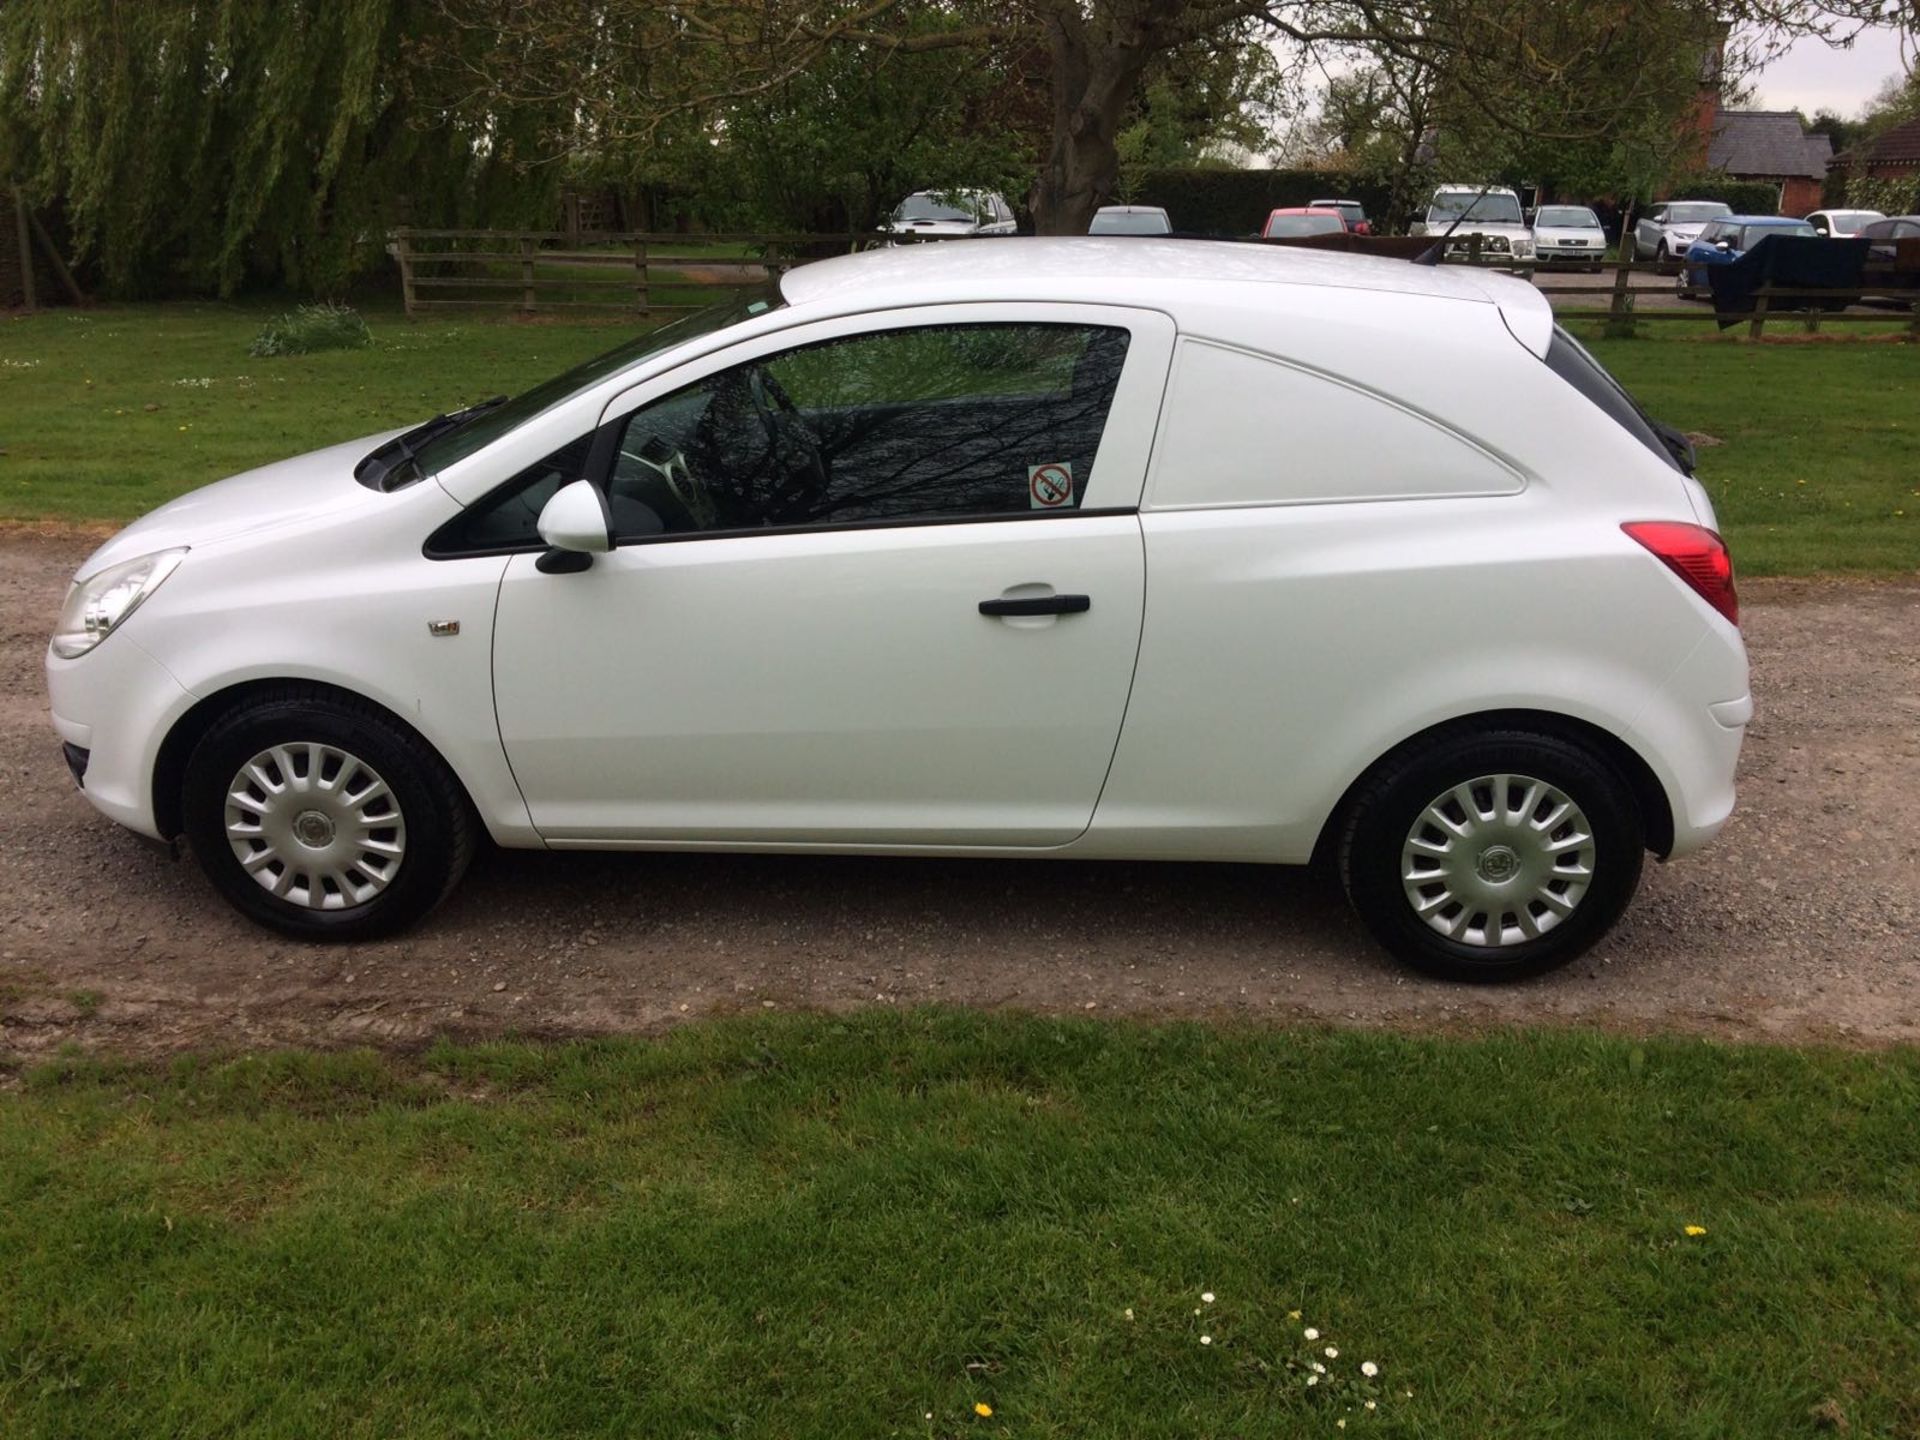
(943, 214)
(1665, 232)
(1568, 235)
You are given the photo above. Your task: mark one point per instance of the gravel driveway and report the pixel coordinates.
(1802, 921)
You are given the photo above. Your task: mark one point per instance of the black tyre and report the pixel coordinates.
(322, 817)
(1491, 856)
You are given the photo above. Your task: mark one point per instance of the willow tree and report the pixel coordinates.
(1550, 69)
(208, 143)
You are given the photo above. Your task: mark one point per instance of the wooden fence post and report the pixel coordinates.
(526, 275)
(403, 252)
(60, 270)
(640, 276)
(26, 248)
(1760, 298)
(1620, 321)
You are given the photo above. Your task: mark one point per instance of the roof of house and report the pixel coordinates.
(1767, 143)
(1898, 146)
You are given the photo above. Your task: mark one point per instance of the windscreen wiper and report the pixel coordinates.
(379, 471)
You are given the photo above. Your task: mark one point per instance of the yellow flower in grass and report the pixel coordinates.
(982, 1409)
(1696, 1229)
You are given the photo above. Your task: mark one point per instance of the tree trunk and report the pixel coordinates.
(1097, 63)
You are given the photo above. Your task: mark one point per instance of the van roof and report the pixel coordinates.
(1130, 270)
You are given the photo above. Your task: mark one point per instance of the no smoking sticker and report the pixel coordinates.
(1050, 486)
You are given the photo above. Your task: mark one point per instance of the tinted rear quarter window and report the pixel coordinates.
(1569, 359)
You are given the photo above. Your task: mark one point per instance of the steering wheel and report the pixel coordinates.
(671, 466)
(768, 394)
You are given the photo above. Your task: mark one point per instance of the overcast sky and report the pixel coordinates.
(1811, 77)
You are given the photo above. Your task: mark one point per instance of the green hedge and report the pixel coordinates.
(1747, 197)
(1236, 202)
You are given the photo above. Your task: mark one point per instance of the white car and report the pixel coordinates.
(1842, 224)
(1569, 235)
(945, 214)
(1464, 212)
(1130, 549)
(1665, 232)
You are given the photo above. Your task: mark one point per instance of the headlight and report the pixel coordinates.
(1523, 247)
(100, 602)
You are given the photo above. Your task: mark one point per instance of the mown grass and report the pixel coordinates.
(1817, 467)
(103, 415)
(106, 413)
(818, 1226)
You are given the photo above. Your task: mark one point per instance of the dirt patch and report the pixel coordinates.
(1802, 921)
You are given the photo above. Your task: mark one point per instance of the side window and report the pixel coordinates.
(506, 518)
(930, 422)
(1240, 429)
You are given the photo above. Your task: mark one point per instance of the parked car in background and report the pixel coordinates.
(1352, 211)
(941, 214)
(1568, 235)
(1665, 232)
(1130, 220)
(1842, 224)
(1885, 237)
(1493, 215)
(1298, 220)
(1042, 549)
(1721, 242)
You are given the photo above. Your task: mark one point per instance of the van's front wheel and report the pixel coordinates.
(1493, 856)
(317, 815)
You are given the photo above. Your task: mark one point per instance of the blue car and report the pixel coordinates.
(1725, 240)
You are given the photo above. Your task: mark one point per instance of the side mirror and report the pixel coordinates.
(577, 524)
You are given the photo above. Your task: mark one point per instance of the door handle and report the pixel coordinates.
(1038, 605)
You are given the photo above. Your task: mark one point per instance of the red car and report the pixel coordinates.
(1289, 224)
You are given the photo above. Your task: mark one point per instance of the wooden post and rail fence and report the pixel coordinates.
(655, 275)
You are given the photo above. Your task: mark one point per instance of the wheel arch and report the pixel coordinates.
(1656, 807)
(170, 764)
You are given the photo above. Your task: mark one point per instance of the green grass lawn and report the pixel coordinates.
(1818, 468)
(838, 1227)
(106, 413)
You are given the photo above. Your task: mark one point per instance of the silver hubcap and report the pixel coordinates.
(315, 826)
(1497, 861)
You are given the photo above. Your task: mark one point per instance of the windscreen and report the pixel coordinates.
(484, 429)
(931, 207)
(1754, 234)
(1151, 222)
(1572, 217)
(1451, 205)
(1283, 225)
(1696, 212)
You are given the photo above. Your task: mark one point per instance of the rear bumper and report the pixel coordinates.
(1691, 734)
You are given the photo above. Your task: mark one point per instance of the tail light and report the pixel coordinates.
(1696, 555)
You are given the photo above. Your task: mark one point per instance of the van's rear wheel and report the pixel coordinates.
(317, 815)
(1492, 856)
